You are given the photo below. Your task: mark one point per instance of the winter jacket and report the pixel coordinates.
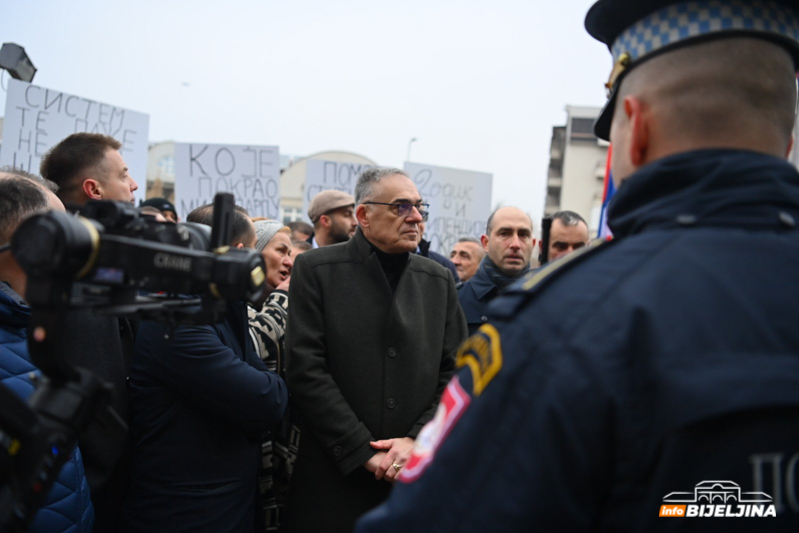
(68, 507)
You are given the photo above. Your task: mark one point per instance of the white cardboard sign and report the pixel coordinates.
(460, 203)
(38, 118)
(250, 173)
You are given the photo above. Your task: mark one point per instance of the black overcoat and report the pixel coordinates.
(362, 364)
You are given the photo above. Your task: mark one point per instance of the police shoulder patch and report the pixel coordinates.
(482, 354)
(453, 403)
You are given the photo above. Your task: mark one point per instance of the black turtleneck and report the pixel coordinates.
(393, 265)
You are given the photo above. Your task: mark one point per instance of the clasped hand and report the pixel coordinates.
(392, 452)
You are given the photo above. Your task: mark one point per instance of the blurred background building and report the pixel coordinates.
(576, 175)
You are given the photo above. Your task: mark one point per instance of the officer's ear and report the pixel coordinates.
(484, 242)
(637, 118)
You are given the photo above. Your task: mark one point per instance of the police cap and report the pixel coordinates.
(637, 30)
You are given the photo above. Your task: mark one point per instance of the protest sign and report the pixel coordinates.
(321, 175)
(38, 118)
(250, 173)
(460, 203)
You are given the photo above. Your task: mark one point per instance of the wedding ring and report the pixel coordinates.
(397, 467)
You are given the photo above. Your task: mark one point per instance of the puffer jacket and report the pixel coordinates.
(68, 507)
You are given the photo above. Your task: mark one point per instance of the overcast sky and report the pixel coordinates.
(479, 83)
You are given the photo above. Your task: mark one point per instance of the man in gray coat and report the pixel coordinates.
(372, 334)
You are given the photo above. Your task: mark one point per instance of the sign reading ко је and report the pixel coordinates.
(38, 118)
(250, 173)
(321, 175)
(460, 203)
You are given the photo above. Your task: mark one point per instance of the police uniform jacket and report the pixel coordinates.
(362, 364)
(643, 367)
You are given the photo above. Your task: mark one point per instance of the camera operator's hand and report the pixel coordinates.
(284, 285)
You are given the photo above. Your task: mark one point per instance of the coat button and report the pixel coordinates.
(337, 451)
(484, 318)
(392, 352)
(787, 219)
(391, 403)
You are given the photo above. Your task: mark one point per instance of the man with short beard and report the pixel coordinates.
(333, 216)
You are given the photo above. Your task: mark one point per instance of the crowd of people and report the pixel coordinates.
(402, 390)
(364, 352)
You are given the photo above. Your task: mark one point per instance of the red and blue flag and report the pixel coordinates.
(604, 230)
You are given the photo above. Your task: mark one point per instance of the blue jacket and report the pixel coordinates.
(474, 296)
(652, 365)
(201, 404)
(68, 507)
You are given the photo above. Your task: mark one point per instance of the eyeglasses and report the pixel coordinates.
(404, 209)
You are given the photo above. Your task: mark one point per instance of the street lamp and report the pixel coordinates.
(14, 59)
(413, 140)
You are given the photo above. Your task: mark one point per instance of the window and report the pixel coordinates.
(290, 214)
(166, 166)
(582, 129)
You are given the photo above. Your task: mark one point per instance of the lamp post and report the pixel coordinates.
(413, 140)
(14, 59)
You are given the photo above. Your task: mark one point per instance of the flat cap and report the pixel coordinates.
(162, 204)
(637, 30)
(327, 201)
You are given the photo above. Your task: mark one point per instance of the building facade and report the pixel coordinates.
(577, 162)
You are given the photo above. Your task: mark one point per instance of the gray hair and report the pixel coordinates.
(469, 239)
(568, 218)
(369, 177)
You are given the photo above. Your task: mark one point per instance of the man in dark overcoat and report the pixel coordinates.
(371, 340)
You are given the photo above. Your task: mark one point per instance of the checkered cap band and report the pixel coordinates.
(687, 20)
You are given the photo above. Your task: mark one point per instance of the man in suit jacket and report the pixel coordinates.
(372, 334)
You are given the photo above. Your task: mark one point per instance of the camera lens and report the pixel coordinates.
(56, 243)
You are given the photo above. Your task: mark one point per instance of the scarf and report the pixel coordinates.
(497, 277)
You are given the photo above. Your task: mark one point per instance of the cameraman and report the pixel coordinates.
(88, 166)
(201, 404)
(67, 507)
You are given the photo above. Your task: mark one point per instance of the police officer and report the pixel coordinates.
(630, 386)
